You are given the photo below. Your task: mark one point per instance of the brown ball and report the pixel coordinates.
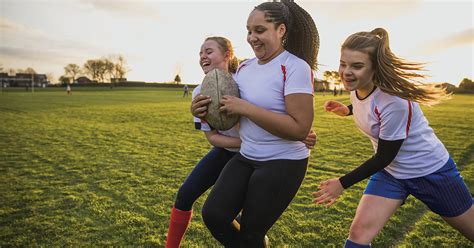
(216, 84)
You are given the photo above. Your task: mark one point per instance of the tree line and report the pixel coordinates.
(99, 70)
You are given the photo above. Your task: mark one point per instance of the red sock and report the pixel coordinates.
(179, 222)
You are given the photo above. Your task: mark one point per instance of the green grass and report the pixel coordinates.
(102, 167)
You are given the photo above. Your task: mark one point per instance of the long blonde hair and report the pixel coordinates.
(393, 74)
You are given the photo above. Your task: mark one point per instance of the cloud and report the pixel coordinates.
(465, 37)
(135, 9)
(11, 27)
(22, 43)
(346, 10)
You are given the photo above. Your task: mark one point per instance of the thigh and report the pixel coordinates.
(372, 214)
(227, 195)
(271, 188)
(464, 223)
(202, 177)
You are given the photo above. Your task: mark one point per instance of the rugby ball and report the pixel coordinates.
(216, 84)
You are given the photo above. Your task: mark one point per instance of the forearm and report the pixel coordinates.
(222, 141)
(386, 153)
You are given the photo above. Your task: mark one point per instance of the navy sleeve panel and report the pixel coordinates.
(197, 125)
(350, 109)
(387, 150)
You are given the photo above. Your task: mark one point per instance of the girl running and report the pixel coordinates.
(409, 158)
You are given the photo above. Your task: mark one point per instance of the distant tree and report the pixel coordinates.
(447, 86)
(109, 69)
(466, 84)
(28, 70)
(72, 70)
(95, 68)
(11, 72)
(64, 79)
(332, 77)
(121, 68)
(177, 79)
(51, 78)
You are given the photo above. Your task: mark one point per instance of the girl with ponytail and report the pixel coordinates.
(276, 109)
(409, 158)
(216, 52)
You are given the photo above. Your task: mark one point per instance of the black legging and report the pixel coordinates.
(262, 189)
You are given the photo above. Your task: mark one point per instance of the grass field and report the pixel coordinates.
(102, 167)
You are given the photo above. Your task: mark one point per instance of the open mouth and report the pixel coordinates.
(257, 46)
(205, 63)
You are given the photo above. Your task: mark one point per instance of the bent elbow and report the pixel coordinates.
(299, 136)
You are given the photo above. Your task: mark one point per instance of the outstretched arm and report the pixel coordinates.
(337, 108)
(331, 189)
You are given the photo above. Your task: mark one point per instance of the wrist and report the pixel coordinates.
(349, 110)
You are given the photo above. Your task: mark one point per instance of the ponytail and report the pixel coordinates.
(392, 74)
(301, 37)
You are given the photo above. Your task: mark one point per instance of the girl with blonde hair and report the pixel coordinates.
(409, 158)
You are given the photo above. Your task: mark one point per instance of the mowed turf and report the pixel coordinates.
(102, 167)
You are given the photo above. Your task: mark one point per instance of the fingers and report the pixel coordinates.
(200, 97)
(322, 197)
(332, 106)
(310, 143)
(330, 203)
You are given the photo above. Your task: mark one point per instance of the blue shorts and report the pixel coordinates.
(443, 191)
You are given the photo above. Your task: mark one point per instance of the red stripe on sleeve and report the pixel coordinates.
(409, 117)
(283, 69)
(376, 110)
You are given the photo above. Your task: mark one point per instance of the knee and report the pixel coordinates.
(360, 233)
(184, 201)
(212, 217)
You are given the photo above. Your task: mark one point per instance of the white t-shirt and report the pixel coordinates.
(388, 117)
(266, 86)
(202, 125)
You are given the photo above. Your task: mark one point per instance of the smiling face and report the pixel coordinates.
(356, 71)
(263, 37)
(211, 56)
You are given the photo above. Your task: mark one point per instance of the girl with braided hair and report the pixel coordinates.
(216, 52)
(409, 158)
(276, 109)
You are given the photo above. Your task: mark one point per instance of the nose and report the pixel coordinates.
(346, 71)
(251, 37)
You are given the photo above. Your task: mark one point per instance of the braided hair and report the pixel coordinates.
(301, 37)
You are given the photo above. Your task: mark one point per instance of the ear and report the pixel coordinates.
(227, 55)
(281, 30)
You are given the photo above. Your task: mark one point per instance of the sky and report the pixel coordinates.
(160, 39)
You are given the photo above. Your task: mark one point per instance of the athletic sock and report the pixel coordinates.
(179, 222)
(352, 244)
